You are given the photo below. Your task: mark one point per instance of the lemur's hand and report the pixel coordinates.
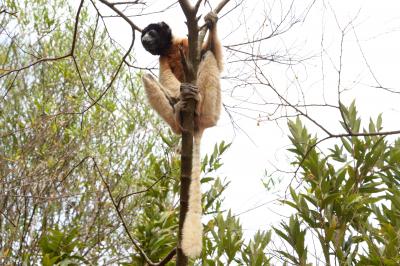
(211, 19)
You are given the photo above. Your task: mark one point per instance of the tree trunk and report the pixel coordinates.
(186, 172)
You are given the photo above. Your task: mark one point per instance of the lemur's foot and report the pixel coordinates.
(148, 78)
(211, 19)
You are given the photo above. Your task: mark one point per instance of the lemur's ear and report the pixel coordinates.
(165, 30)
(164, 26)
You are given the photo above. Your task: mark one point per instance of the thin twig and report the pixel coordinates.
(122, 15)
(140, 191)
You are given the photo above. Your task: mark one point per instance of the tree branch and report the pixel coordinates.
(128, 3)
(122, 15)
(139, 192)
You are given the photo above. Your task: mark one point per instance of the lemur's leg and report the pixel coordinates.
(208, 82)
(160, 101)
(169, 97)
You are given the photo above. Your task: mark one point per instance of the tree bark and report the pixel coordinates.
(186, 172)
(190, 69)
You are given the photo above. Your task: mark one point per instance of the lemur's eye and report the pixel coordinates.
(152, 33)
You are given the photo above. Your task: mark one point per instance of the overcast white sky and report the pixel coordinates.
(374, 32)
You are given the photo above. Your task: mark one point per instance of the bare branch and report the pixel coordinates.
(220, 6)
(71, 170)
(292, 105)
(137, 2)
(122, 15)
(139, 192)
(197, 5)
(8, 219)
(75, 36)
(113, 78)
(379, 84)
(167, 258)
(193, 34)
(187, 8)
(339, 72)
(8, 12)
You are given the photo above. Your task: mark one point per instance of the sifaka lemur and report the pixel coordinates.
(167, 98)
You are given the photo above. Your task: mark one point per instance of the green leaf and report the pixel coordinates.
(347, 145)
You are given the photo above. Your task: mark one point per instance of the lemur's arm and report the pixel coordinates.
(168, 79)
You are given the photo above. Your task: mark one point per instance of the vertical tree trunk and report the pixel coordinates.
(186, 172)
(190, 65)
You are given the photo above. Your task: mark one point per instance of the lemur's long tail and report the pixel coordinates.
(192, 232)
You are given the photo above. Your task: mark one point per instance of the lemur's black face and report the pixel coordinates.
(157, 38)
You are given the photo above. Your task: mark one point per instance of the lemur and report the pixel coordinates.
(166, 99)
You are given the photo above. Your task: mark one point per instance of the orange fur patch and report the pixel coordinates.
(174, 57)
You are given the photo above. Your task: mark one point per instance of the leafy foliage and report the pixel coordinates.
(345, 196)
(58, 247)
(294, 235)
